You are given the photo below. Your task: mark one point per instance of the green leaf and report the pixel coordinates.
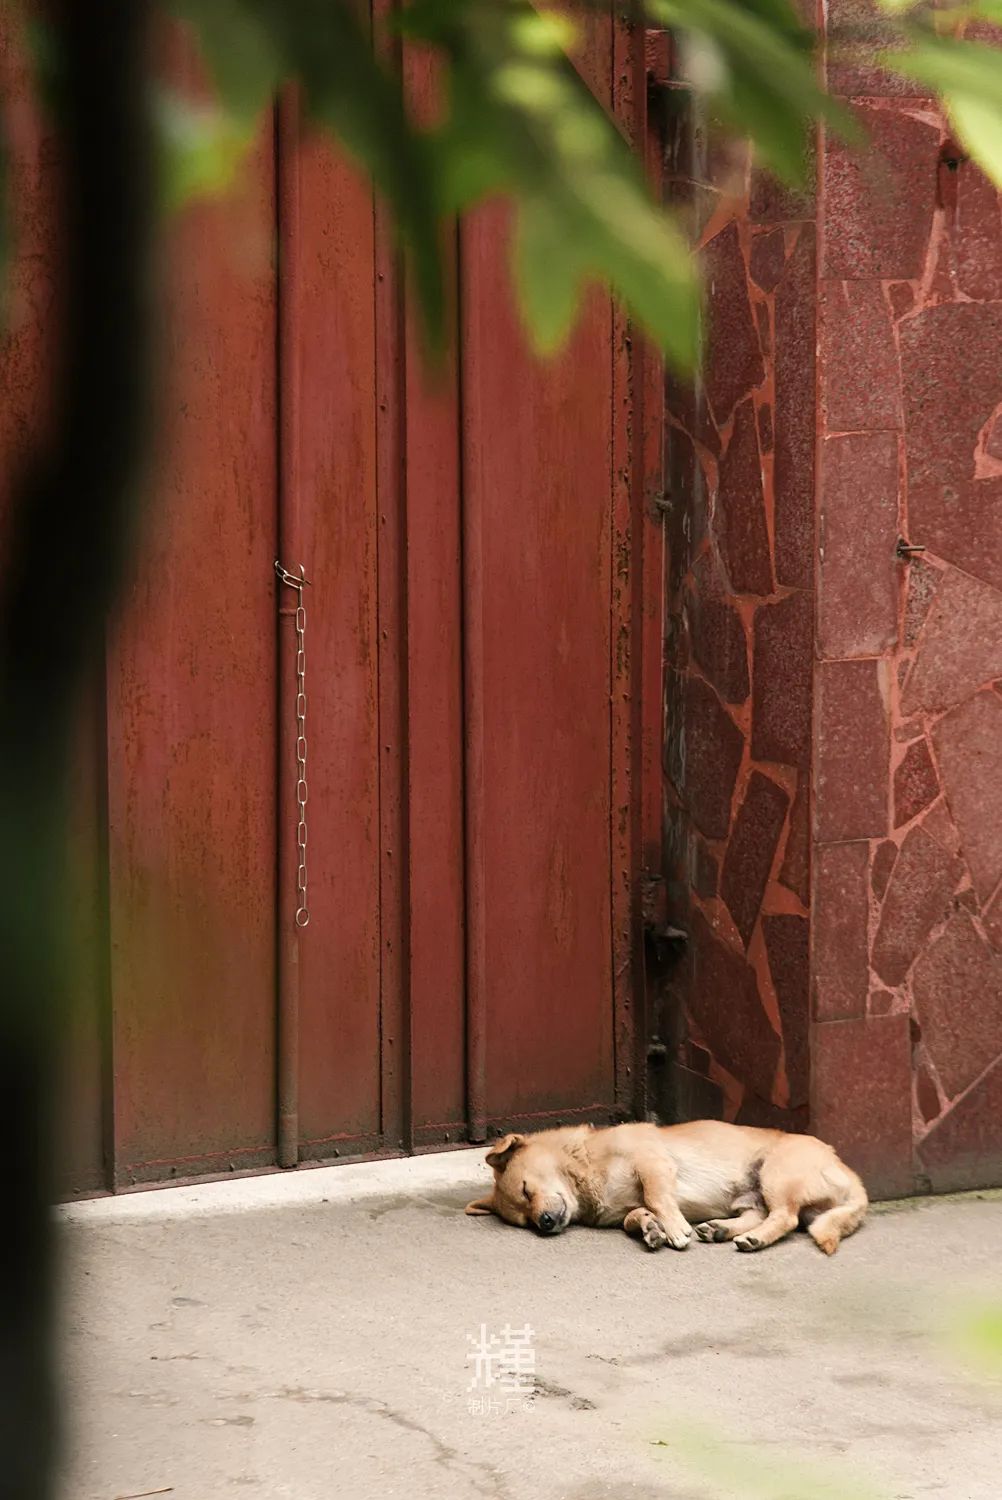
(976, 1335)
(252, 46)
(202, 149)
(968, 77)
(547, 278)
(767, 85)
(521, 119)
(979, 126)
(240, 48)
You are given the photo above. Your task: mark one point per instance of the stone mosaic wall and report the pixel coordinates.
(738, 651)
(834, 709)
(908, 730)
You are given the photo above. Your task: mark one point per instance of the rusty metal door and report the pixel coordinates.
(484, 608)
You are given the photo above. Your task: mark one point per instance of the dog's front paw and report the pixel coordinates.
(712, 1232)
(748, 1242)
(680, 1239)
(655, 1237)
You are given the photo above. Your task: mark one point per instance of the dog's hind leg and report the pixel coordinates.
(783, 1195)
(729, 1229)
(779, 1222)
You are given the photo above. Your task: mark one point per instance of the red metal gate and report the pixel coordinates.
(484, 605)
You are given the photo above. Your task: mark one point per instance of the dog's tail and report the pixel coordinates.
(834, 1224)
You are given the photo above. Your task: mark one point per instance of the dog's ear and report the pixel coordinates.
(500, 1155)
(481, 1206)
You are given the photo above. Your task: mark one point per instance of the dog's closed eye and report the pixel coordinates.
(525, 1191)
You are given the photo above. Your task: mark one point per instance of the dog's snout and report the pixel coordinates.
(547, 1222)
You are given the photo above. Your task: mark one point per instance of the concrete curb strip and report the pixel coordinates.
(462, 1170)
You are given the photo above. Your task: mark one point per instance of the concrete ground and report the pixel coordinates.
(306, 1335)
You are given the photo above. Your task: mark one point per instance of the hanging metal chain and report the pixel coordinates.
(299, 582)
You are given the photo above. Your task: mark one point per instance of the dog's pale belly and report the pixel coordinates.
(705, 1191)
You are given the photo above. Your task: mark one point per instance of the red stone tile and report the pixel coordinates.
(902, 295)
(960, 648)
(796, 871)
(690, 1096)
(764, 1116)
(794, 418)
(728, 1013)
(781, 683)
(961, 522)
(856, 33)
(992, 918)
(685, 402)
(977, 236)
(733, 363)
(964, 1149)
(883, 864)
(957, 989)
(697, 1058)
(859, 576)
(882, 1003)
(750, 852)
(687, 509)
(858, 358)
(968, 747)
(951, 378)
(921, 586)
(861, 1098)
(716, 634)
(879, 203)
(739, 514)
(705, 869)
(919, 895)
(772, 203)
(852, 752)
(993, 442)
(712, 753)
(768, 257)
(786, 946)
(941, 826)
(925, 1093)
(840, 917)
(915, 783)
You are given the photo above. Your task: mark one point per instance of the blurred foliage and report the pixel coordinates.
(519, 119)
(969, 1327)
(975, 1335)
(948, 53)
(752, 1473)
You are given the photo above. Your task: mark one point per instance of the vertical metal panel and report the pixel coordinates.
(434, 719)
(83, 1103)
(538, 450)
(339, 1007)
(394, 1010)
(191, 694)
(482, 657)
(290, 601)
(636, 622)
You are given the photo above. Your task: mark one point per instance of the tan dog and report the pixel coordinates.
(732, 1182)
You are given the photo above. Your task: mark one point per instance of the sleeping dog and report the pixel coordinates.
(666, 1183)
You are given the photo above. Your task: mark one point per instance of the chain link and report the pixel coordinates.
(298, 582)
